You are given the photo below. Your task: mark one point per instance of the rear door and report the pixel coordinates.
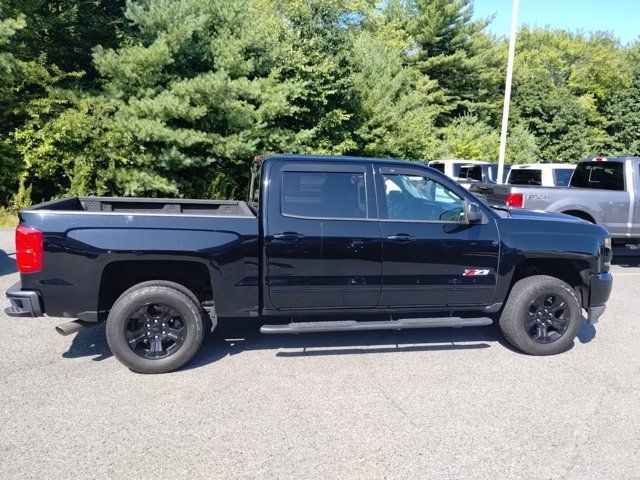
(431, 256)
(322, 236)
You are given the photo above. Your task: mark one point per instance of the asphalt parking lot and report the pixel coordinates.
(413, 404)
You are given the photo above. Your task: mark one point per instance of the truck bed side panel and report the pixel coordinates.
(80, 246)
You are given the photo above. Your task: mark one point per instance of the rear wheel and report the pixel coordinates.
(155, 327)
(542, 315)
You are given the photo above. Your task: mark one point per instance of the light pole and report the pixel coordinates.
(507, 91)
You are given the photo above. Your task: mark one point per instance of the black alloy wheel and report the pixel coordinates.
(155, 331)
(547, 318)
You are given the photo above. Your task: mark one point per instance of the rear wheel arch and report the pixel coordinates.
(580, 214)
(192, 277)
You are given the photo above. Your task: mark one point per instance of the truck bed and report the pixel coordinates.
(159, 206)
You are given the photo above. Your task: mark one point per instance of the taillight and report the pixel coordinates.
(515, 200)
(28, 249)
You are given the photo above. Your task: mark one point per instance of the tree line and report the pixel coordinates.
(175, 97)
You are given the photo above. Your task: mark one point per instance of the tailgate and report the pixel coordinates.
(491, 193)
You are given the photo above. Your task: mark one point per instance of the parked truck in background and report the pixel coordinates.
(335, 244)
(604, 191)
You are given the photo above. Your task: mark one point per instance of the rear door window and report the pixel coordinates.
(562, 176)
(519, 176)
(602, 175)
(437, 166)
(324, 194)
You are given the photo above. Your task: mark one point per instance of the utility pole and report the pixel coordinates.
(507, 91)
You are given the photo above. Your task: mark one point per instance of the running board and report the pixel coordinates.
(352, 325)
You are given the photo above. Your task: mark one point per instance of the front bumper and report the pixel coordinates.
(24, 303)
(599, 292)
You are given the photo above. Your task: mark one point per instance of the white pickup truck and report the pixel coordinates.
(605, 191)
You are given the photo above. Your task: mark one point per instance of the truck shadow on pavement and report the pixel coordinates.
(230, 340)
(7, 263)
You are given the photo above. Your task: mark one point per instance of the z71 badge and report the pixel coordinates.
(475, 272)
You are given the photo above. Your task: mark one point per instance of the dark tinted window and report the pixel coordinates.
(438, 166)
(324, 195)
(471, 173)
(525, 177)
(475, 173)
(604, 175)
(562, 176)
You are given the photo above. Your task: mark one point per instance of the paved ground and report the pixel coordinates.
(413, 404)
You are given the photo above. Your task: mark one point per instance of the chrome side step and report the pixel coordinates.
(352, 325)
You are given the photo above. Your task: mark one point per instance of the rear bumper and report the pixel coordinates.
(599, 292)
(24, 303)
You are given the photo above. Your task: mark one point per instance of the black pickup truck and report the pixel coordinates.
(334, 244)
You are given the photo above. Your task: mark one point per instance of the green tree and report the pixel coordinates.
(189, 99)
(10, 75)
(562, 84)
(623, 112)
(451, 48)
(46, 63)
(396, 108)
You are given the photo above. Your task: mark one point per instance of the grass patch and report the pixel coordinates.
(8, 218)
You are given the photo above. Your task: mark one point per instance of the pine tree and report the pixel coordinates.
(451, 49)
(195, 93)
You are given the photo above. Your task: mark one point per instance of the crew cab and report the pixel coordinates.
(602, 190)
(334, 244)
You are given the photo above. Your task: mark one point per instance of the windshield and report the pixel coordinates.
(602, 175)
(519, 176)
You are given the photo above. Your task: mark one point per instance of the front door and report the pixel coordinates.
(322, 237)
(431, 255)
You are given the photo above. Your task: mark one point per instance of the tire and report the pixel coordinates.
(526, 316)
(159, 303)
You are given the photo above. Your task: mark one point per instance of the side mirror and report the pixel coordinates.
(472, 212)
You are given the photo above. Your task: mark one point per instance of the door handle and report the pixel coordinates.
(356, 244)
(401, 238)
(288, 236)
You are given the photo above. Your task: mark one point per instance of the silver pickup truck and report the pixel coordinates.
(605, 191)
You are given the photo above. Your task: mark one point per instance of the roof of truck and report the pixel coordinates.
(606, 159)
(338, 158)
(543, 165)
(458, 160)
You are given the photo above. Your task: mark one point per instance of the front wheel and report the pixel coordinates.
(155, 327)
(542, 315)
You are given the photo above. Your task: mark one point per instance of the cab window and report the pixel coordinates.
(324, 194)
(420, 198)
